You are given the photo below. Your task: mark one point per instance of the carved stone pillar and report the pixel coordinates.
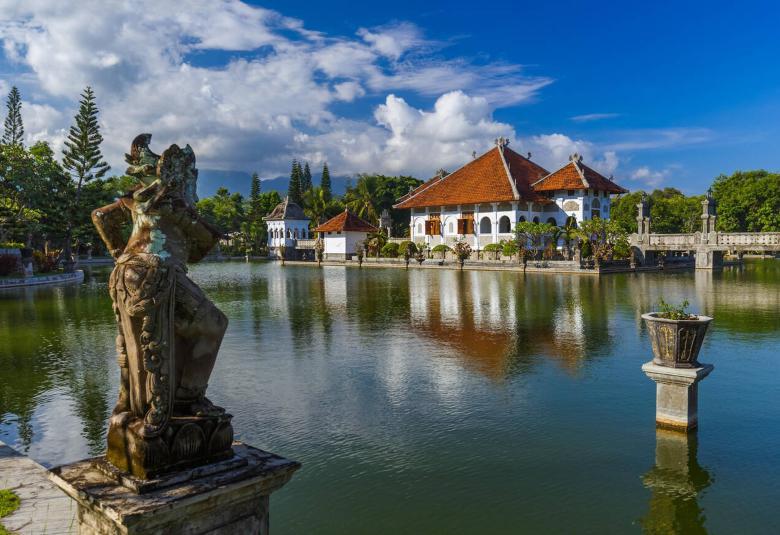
(676, 401)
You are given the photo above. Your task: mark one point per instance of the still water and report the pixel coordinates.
(436, 401)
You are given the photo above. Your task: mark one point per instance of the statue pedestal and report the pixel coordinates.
(676, 399)
(226, 497)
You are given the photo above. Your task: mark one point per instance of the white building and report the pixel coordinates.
(483, 201)
(341, 234)
(286, 225)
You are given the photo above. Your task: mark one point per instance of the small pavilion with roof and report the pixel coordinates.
(286, 225)
(342, 233)
(483, 201)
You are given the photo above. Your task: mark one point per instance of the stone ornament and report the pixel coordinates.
(571, 206)
(676, 343)
(169, 331)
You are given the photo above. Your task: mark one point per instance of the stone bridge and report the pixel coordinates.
(707, 245)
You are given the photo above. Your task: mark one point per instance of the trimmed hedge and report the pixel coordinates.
(390, 250)
(407, 245)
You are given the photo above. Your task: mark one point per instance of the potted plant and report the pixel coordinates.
(676, 335)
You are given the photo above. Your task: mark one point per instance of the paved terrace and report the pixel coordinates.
(44, 508)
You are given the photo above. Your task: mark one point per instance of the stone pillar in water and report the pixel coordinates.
(676, 398)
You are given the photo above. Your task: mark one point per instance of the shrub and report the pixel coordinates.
(441, 249)
(510, 248)
(11, 245)
(9, 264)
(674, 312)
(45, 263)
(586, 250)
(390, 250)
(407, 245)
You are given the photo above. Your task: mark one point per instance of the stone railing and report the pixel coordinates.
(675, 240)
(305, 244)
(748, 238)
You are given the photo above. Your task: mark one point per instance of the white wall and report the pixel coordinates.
(342, 244)
(283, 228)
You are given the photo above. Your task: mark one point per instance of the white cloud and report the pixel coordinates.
(588, 117)
(552, 151)
(145, 61)
(649, 177)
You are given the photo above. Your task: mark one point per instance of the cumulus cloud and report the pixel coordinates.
(649, 177)
(149, 65)
(552, 151)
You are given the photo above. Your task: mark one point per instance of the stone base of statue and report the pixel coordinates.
(186, 441)
(677, 394)
(226, 497)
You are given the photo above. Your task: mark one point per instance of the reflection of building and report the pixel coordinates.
(676, 481)
(286, 225)
(342, 233)
(482, 201)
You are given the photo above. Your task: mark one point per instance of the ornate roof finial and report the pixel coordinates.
(529, 154)
(576, 157)
(502, 142)
(473, 155)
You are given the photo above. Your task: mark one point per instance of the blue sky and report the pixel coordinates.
(656, 93)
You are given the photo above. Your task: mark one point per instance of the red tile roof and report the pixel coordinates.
(577, 175)
(484, 179)
(346, 221)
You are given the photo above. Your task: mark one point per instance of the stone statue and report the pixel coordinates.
(169, 331)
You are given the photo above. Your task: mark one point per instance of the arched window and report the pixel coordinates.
(419, 228)
(536, 219)
(484, 226)
(522, 219)
(552, 221)
(504, 225)
(595, 204)
(289, 233)
(449, 228)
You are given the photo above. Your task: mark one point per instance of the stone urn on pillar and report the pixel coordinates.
(676, 338)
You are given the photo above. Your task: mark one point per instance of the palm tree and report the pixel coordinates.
(316, 205)
(363, 199)
(376, 240)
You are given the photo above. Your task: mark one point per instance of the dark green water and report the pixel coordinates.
(436, 401)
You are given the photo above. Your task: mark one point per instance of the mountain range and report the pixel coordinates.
(209, 180)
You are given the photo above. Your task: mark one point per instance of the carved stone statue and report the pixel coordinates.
(169, 331)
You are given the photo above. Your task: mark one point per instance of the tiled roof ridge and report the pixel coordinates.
(509, 176)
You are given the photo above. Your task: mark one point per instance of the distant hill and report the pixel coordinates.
(209, 180)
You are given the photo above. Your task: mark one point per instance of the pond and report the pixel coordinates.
(438, 401)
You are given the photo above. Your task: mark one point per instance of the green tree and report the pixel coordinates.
(624, 212)
(82, 156)
(316, 206)
(13, 132)
(294, 190)
(363, 199)
(306, 184)
(325, 182)
(672, 212)
(748, 201)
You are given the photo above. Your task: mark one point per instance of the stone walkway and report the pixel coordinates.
(44, 508)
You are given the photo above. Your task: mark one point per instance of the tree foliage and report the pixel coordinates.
(748, 201)
(13, 128)
(294, 189)
(325, 183)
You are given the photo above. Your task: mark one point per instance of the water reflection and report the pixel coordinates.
(676, 482)
(499, 325)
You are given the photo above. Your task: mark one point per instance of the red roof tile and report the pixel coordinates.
(577, 175)
(483, 179)
(346, 221)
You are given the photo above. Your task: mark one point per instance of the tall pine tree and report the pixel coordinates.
(294, 191)
(254, 199)
(13, 132)
(82, 156)
(325, 183)
(306, 179)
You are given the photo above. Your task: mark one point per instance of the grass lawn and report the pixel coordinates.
(9, 502)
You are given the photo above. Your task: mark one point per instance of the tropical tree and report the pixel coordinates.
(528, 231)
(13, 128)
(316, 206)
(375, 241)
(363, 199)
(82, 156)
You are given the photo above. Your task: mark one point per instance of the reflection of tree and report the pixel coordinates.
(676, 482)
(49, 341)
